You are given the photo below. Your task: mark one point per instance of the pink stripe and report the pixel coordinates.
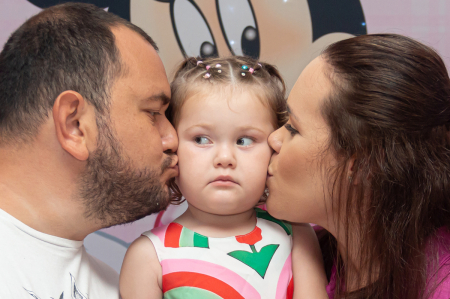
(158, 222)
(160, 232)
(226, 275)
(285, 277)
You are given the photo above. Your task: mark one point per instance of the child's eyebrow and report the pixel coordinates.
(210, 126)
(205, 126)
(248, 128)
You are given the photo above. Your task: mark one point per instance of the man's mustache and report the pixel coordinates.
(167, 162)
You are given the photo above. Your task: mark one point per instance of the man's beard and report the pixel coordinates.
(113, 191)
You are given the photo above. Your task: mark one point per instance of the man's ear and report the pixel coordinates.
(73, 120)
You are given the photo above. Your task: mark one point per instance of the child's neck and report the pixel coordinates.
(218, 226)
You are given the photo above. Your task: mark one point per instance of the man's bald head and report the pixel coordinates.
(65, 47)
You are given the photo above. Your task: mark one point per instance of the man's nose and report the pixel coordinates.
(275, 140)
(225, 157)
(169, 137)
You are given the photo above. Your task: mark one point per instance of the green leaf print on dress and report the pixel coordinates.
(258, 261)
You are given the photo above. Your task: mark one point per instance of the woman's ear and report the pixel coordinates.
(351, 174)
(74, 121)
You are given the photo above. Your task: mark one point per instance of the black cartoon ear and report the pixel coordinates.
(328, 16)
(117, 7)
(191, 29)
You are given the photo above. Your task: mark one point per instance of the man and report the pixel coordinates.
(84, 144)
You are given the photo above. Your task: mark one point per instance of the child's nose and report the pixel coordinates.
(225, 157)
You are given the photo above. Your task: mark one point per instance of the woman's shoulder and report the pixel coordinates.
(438, 251)
(329, 254)
(441, 240)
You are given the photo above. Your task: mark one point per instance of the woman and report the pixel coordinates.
(366, 155)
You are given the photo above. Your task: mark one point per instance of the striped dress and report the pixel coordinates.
(252, 266)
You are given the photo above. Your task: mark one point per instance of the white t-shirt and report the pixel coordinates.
(34, 265)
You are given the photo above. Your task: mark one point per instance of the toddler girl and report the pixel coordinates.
(222, 246)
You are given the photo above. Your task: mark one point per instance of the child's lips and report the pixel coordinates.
(224, 181)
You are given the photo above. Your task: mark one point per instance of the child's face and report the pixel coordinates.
(223, 151)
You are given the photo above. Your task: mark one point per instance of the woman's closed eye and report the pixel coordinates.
(202, 140)
(244, 141)
(291, 129)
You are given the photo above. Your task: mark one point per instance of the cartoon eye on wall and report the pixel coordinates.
(191, 29)
(239, 27)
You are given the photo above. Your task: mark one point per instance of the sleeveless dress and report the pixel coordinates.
(252, 266)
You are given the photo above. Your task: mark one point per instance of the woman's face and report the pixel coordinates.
(298, 176)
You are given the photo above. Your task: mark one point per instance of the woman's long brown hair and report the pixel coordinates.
(389, 111)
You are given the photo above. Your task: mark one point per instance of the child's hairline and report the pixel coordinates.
(194, 88)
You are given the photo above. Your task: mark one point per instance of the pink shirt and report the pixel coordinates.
(441, 274)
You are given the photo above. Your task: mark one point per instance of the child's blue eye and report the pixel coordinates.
(202, 140)
(244, 141)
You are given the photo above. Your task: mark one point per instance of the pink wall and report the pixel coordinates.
(12, 14)
(425, 20)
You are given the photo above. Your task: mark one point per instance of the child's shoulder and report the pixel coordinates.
(141, 263)
(263, 215)
(160, 233)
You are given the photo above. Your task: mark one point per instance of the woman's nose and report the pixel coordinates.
(225, 157)
(275, 140)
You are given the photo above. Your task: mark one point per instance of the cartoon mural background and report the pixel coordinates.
(287, 33)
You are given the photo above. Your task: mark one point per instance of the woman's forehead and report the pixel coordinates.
(311, 89)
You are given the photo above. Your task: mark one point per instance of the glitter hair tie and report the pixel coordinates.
(246, 68)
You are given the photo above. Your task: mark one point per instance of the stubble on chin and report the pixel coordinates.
(113, 191)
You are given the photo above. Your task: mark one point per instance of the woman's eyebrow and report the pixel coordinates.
(289, 111)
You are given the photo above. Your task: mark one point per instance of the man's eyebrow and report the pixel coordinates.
(160, 97)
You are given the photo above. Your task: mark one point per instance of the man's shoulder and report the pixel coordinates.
(45, 266)
(102, 270)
